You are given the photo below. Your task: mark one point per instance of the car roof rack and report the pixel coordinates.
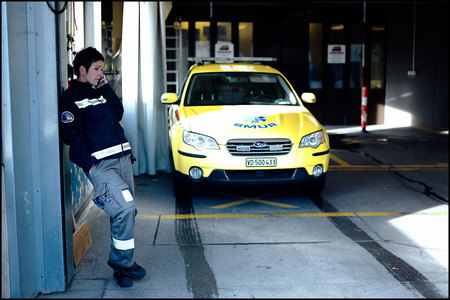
(202, 60)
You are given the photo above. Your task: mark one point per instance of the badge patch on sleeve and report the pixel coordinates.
(67, 117)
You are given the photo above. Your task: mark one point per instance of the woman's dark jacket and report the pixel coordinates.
(90, 124)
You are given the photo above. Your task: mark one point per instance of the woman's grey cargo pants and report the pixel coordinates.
(113, 183)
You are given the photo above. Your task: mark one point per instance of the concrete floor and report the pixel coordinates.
(379, 230)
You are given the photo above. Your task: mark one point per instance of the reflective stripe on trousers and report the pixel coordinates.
(123, 244)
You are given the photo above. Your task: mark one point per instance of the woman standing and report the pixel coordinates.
(90, 117)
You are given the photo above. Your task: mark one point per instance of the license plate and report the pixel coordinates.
(261, 162)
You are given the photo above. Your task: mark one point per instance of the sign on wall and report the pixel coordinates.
(202, 48)
(336, 54)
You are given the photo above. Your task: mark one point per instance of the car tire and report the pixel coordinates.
(314, 189)
(182, 187)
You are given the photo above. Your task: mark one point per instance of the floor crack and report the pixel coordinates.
(427, 190)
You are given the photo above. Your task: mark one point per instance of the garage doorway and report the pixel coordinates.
(335, 73)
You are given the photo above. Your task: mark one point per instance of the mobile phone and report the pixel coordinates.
(100, 82)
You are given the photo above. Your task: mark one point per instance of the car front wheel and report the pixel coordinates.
(314, 189)
(182, 187)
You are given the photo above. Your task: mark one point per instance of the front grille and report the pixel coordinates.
(254, 147)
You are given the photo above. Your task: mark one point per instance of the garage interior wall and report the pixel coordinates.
(7, 163)
(417, 40)
(31, 151)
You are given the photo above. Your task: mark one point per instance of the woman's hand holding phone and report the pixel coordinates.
(101, 82)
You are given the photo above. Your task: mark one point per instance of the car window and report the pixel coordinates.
(239, 88)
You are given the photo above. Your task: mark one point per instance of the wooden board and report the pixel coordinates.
(82, 241)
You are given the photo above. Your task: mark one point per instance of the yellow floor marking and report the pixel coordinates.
(338, 160)
(275, 203)
(343, 166)
(249, 199)
(263, 215)
(371, 214)
(348, 141)
(367, 214)
(232, 204)
(431, 130)
(386, 167)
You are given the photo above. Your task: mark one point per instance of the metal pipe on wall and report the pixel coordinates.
(93, 25)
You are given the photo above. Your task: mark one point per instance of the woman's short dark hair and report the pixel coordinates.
(85, 58)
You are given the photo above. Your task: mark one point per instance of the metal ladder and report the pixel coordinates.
(174, 44)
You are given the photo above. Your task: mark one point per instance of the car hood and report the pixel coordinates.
(244, 122)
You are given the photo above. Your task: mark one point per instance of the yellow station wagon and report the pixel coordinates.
(243, 123)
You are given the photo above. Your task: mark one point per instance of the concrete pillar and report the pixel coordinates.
(32, 170)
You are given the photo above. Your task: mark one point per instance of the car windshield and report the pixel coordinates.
(237, 88)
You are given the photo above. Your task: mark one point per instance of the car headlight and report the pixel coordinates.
(199, 141)
(313, 139)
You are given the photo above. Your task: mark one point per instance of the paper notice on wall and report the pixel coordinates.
(202, 48)
(336, 54)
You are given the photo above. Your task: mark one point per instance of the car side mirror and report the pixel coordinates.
(309, 97)
(169, 98)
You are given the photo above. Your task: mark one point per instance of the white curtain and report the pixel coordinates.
(143, 82)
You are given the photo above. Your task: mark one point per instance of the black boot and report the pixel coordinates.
(135, 271)
(124, 275)
(122, 279)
